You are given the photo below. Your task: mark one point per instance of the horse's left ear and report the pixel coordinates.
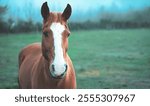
(67, 12)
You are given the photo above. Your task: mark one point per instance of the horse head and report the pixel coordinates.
(55, 39)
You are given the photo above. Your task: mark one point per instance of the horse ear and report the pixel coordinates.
(45, 11)
(67, 12)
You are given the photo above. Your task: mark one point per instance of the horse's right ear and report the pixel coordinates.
(45, 11)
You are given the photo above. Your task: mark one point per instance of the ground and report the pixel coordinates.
(102, 58)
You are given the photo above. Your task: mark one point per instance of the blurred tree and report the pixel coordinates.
(3, 25)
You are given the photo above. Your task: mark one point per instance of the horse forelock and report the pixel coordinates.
(54, 17)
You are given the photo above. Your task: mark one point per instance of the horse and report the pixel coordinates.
(46, 65)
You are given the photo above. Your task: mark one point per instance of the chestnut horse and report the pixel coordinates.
(47, 65)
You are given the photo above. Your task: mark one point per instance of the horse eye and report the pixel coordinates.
(45, 33)
(68, 34)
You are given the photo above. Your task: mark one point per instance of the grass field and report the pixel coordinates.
(102, 58)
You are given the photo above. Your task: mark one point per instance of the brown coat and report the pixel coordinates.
(34, 71)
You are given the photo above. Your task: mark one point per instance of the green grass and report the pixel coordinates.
(102, 58)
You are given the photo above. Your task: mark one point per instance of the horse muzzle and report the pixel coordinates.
(58, 71)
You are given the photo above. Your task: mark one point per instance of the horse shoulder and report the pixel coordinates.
(27, 58)
(29, 50)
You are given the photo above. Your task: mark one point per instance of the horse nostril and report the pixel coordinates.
(53, 67)
(62, 74)
(65, 67)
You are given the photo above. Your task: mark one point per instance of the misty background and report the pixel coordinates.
(25, 15)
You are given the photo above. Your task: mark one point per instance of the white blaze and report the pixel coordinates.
(59, 61)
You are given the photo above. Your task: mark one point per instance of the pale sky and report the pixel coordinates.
(24, 8)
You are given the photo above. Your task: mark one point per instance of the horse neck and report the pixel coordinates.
(42, 68)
